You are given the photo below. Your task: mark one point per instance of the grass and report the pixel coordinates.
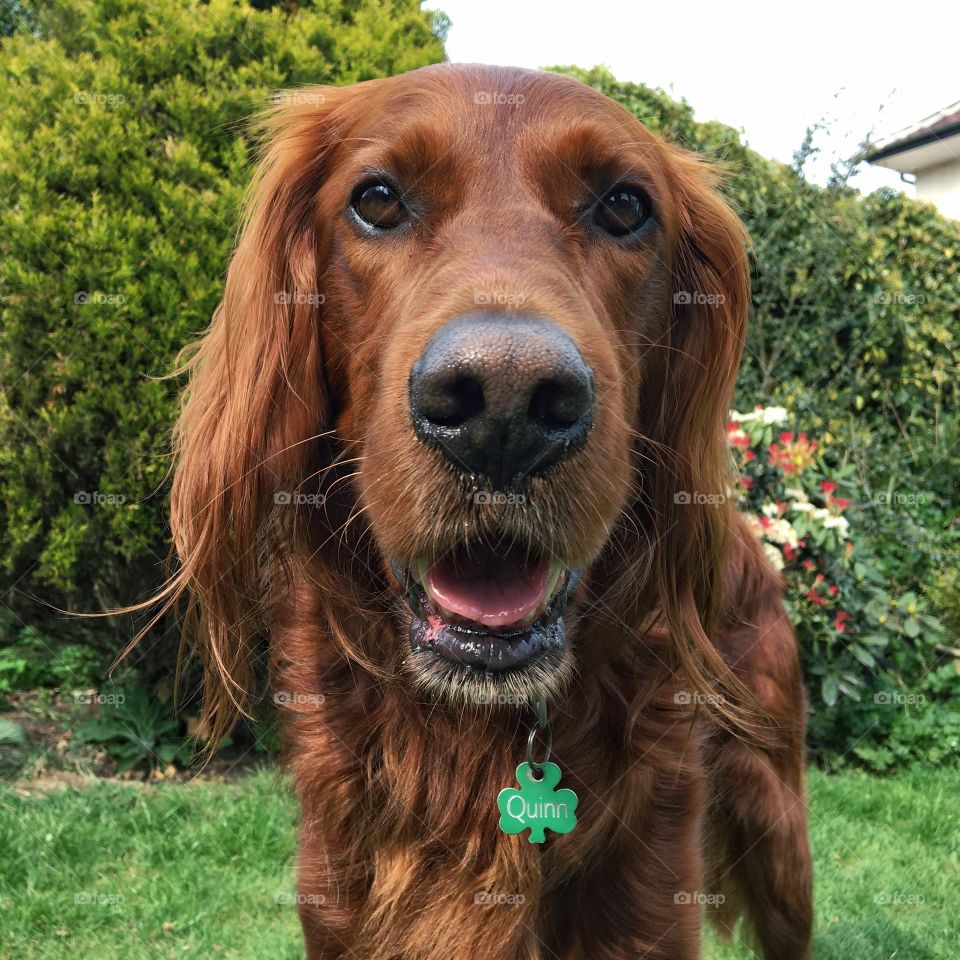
(205, 870)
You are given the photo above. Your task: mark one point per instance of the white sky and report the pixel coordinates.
(768, 69)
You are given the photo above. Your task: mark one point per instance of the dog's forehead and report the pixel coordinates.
(503, 99)
(484, 113)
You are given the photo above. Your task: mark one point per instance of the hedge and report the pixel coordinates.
(123, 159)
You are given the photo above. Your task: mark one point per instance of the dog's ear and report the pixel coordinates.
(692, 394)
(255, 399)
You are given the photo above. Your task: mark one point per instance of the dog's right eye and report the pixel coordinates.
(378, 205)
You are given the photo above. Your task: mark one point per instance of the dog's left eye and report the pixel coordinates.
(378, 205)
(622, 211)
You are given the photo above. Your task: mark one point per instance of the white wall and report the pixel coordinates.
(941, 185)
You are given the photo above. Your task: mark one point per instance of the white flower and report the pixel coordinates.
(746, 417)
(795, 493)
(773, 555)
(820, 513)
(774, 415)
(771, 510)
(839, 524)
(780, 531)
(753, 522)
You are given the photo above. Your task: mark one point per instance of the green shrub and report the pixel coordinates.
(946, 592)
(137, 730)
(30, 658)
(882, 680)
(123, 159)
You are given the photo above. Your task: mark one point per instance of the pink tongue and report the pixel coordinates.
(493, 591)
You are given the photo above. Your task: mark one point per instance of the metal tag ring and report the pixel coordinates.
(531, 743)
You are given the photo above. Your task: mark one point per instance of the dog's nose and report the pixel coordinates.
(502, 396)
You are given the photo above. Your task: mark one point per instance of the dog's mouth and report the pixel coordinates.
(489, 608)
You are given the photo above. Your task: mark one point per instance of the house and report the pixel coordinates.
(930, 150)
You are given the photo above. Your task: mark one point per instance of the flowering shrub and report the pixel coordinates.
(847, 621)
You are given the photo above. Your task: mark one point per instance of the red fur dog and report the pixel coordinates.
(455, 441)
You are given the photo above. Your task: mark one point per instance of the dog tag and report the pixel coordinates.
(537, 805)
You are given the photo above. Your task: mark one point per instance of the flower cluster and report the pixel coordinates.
(849, 624)
(801, 521)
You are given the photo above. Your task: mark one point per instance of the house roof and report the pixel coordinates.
(931, 141)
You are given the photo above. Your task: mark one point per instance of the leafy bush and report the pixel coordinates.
(11, 733)
(137, 730)
(880, 675)
(29, 658)
(123, 159)
(946, 589)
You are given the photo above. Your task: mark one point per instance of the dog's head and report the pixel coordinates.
(480, 335)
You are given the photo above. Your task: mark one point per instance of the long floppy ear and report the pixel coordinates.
(692, 396)
(255, 399)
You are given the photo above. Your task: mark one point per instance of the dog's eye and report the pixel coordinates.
(622, 211)
(379, 206)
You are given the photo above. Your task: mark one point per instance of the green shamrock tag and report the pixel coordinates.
(537, 805)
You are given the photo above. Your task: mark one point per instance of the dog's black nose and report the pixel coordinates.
(503, 396)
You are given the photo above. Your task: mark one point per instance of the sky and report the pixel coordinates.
(767, 69)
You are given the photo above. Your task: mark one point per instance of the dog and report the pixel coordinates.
(454, 446)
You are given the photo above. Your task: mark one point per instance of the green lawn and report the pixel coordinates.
(204, 870)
